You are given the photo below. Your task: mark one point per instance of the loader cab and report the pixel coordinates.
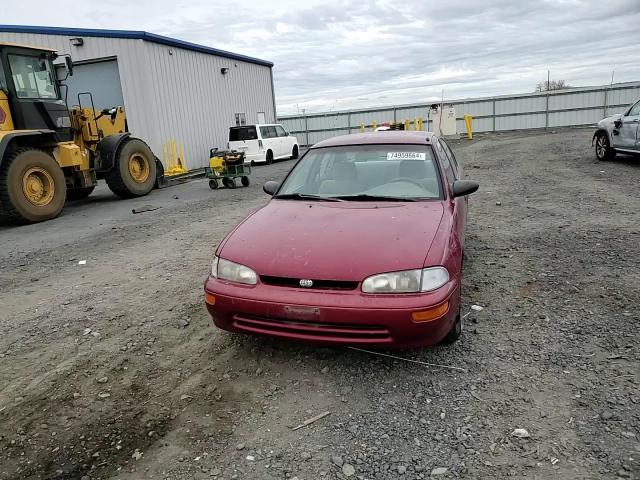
(29, 80)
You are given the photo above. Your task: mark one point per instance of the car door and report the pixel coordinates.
(459, 204)
(628, 130)
(283, 141)
(269, 139)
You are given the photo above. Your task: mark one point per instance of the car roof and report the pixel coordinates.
(381, 137)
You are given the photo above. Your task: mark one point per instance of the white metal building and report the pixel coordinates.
(172, 90)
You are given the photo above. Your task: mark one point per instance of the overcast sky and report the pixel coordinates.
(354, 53)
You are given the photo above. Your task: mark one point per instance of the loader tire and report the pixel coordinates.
(79, 193)
(32, 186)
(134, 170)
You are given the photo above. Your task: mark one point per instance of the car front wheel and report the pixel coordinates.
(455, 332)
(603, 148)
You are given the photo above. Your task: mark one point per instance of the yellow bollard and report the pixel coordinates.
(182, 161)
(175, 163)
(420, 123)
(374, 125)
(175, 153)
(415, 123)
(362, 128)
(468, 119)
(165, 156)
(406, 124)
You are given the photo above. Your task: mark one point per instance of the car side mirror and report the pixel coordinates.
(270, 187)
(464, 187)
(69, 64)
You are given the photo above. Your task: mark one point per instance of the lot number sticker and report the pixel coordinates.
(406, 156)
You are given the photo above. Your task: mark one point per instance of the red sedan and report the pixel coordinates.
(361, 244)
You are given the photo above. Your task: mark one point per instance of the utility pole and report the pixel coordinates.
(546, 115)
(306, 126)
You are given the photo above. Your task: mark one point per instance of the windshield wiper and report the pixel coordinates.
(307, 196)
(383, 198)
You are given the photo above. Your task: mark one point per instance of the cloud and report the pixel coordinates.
(348, 53)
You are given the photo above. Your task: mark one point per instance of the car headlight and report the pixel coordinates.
(407, 281)
(233, 272)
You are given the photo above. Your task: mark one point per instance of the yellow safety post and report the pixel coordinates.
(468, 119)
(406, 124)
(165, 155)
(362, 128)
(420, 123)
(174, 158)
(415, 123)
(174, 152)
(374, 125)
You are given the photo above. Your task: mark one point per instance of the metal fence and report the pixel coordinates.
(571, 107)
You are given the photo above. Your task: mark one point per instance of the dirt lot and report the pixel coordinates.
(112, 370)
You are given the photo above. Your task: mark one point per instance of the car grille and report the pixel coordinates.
(332, 332)
(317, 284)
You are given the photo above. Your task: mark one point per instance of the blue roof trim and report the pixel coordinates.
(132, 34)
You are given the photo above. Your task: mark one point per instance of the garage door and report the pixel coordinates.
(102, 79)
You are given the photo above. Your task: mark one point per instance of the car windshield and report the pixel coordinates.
(365, 172)
(237, 134)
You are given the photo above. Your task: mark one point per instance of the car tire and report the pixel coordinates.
(269, 157)
(603, 149)
(456, 331)
(294, 153)
(213, 184)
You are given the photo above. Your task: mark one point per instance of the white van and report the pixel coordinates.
(263, 143)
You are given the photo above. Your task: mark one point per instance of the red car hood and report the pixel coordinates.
(334, 241)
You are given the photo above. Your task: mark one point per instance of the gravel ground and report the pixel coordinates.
(112, 370)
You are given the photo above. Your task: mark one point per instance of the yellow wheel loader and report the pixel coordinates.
(50, 154)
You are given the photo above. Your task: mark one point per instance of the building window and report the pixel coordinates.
(241, 119)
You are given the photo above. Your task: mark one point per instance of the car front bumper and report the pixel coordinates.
(331, 317)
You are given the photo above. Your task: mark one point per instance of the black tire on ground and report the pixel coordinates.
(245, 181)
(269, 157)
(455, 332)
(603, 148)
(457, 327)
(79, 193)
(229, 182)
(213, 184)
(294, 153)
(134, 170)
(35, 171)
